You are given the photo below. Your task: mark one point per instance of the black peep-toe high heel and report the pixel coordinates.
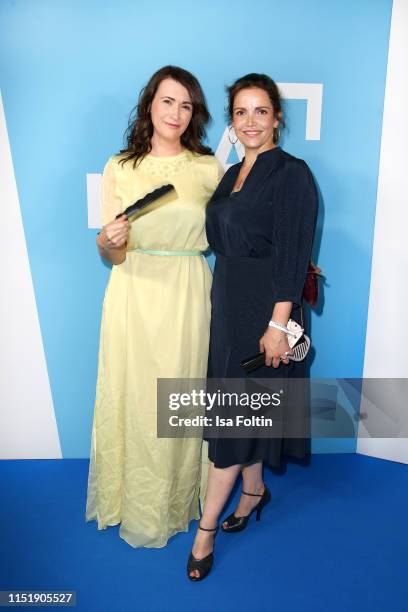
(202, 565)
(238, 523)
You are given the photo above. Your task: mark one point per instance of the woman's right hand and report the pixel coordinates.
(114, 235)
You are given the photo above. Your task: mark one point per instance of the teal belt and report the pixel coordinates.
(164, 253)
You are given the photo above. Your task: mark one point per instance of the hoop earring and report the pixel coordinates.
(229, 135)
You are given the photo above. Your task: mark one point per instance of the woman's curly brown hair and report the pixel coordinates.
(140, 129)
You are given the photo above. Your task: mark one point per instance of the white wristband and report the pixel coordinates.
(281, 328)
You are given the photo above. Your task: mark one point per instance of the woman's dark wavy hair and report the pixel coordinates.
(262, 81)
(140, 129)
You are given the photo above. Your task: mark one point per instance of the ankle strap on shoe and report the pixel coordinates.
(253, 494)
(204, 529)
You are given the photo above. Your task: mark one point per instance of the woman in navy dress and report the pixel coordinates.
(260, 225)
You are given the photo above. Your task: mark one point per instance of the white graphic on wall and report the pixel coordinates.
(28, 428)
(387, 335)
(311, 92)
(93, 192)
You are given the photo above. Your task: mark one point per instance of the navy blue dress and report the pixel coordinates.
(262, 238)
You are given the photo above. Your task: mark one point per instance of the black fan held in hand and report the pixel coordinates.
(148, 199)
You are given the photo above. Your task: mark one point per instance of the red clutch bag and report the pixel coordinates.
(311, 288)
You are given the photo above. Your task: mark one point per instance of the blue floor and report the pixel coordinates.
(334, 538)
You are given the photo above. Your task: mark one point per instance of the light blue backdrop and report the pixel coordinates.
(70, 71)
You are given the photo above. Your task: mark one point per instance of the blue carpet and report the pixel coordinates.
(334, 538)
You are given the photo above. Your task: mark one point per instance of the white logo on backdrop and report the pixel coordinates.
(311, 92)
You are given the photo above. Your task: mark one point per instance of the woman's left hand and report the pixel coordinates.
(274, 343)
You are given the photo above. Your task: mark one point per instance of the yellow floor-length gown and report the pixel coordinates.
(155, 324)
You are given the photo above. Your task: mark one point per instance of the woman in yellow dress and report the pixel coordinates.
(156, 313)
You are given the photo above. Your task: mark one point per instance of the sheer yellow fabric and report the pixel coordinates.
(155, 323)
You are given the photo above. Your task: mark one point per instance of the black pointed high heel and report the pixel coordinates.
(238, 523)
(202, 565)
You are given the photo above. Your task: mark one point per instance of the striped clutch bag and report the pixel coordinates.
(297, 340)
